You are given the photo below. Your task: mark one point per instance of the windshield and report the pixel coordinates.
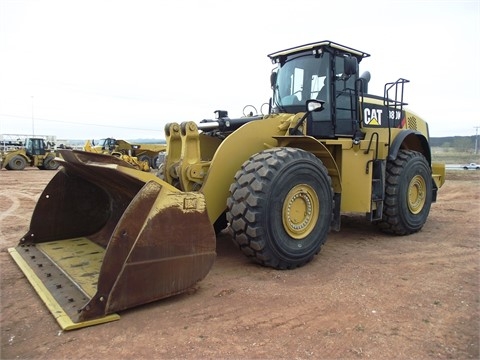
(299, 79)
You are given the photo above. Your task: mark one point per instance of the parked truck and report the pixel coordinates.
(104, 238)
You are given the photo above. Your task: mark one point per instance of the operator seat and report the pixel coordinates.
(322, 94)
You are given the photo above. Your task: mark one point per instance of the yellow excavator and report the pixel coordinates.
(105, 237)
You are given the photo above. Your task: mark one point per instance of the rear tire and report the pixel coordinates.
(408, 194)
(145, 158)
(17, 163)
(280, 207)
(50, 164)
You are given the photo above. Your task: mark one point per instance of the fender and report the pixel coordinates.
(312, 145)
(413, 140)
(11, 155)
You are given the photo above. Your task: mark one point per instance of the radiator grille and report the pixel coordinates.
(412, 122)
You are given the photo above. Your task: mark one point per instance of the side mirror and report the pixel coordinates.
(314, 105)
(273, 79)
(350, 65)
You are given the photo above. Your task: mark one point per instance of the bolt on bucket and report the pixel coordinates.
(105, 237)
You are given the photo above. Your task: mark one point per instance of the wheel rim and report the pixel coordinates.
(417, 194)
(301, 209)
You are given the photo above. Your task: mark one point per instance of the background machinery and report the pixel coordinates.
(134, 154)
(279, 181)
(33, 153)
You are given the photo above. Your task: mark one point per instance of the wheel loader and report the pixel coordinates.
(34, 153)
(142, 156)
(105, 237)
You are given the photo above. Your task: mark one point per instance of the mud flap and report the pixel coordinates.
(104, 238)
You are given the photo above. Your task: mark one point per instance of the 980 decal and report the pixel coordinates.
(394, 114)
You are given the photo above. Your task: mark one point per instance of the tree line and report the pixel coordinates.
(458, 143)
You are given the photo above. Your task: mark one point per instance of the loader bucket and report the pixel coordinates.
(105, 237)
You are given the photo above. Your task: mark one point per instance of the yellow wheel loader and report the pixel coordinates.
(34, 153)
(105, 237)
(141, 156)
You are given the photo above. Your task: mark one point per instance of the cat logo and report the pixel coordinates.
(372, 116)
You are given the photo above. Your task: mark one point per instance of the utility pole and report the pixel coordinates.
(33, 122)
(476, 139)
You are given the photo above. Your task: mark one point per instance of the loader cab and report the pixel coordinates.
(108, 144)
(35, 146)
(324, 71)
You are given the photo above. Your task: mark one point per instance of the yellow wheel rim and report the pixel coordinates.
(417, 194)
(300, 212)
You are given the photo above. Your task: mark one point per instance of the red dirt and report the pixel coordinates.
(366, 295)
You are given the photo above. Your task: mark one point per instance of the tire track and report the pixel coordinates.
(13, 211)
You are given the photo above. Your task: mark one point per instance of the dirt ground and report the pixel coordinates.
(366, 295)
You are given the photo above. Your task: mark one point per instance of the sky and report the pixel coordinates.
(124, 68)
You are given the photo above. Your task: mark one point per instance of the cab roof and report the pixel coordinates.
(316, 46)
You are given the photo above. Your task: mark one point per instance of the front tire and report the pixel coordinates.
(17, 163)
(145, 158)
(280, 207)
(408, 194)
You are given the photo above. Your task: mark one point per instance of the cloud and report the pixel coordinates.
(141, 64)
